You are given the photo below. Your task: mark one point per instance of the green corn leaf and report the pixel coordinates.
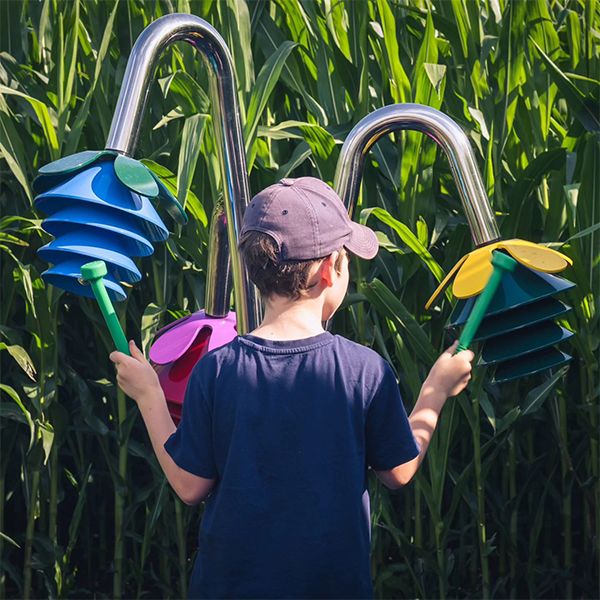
(531, 177)
(583, 233)
(22, 358)
(291, 73)
(189, 94)
(541, 28)
(588, 211)
(46, 434)
(407, 236)
(358, 13)
(446, 433)
(43, 115)
(72, 62)
(302, 26)
(463, 25)
(75, 520)
(9, 540)
(437, 77)
(169, 180)
(536, 397)
(11, 150)
(386, 159)
(488, 409)
(574, 37)
(239, 40)
(389, 305)
(15, 396)
(322, 145)
(508, 420)
(191, 142)
(301, 152)
(83, 113)
(536, 526)
(337, 23)
(587, 110)
(265, 83)
(25, 278)
(65, 88)
(151, 320)
(328, 84)
(399, 84)
(406, 361)
(281, 131)
(424, 90)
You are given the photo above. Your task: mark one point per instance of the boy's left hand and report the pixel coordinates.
(135, 374)
(451, 371)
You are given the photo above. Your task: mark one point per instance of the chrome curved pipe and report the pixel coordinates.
(125, 127)
(218, 273)
(446, 133)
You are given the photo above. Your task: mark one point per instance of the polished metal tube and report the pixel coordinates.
(125, 128)
(446, 133)
(218, 279)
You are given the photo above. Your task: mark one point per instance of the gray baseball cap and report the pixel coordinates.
(308, 220)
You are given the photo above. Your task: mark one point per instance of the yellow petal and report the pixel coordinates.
(474, 273)
(445, 282)
(536, 257)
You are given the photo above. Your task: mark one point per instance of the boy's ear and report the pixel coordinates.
(328, 269)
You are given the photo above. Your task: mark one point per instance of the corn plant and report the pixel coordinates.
(506, 504)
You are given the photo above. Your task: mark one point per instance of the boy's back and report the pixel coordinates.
(282, 424)
(288, 429)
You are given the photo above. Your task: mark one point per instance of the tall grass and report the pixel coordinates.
(507, 502)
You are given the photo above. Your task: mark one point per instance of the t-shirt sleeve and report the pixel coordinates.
(389, 439)
(191, 445)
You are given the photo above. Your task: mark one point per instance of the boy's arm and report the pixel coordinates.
(448, 377)
(189, 487)
(139, 381)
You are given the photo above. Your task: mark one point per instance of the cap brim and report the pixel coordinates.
(363, 241)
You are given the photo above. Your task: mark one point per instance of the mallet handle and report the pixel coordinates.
(93, 273)
(110, 316)
(501, 263)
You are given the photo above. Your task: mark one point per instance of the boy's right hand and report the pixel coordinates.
(135, 375)
(451, 372)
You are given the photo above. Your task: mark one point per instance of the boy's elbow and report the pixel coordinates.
(394, 486)
(191, 498)
(393, 481)
(399, 476)
(404, 480)
(194, 491)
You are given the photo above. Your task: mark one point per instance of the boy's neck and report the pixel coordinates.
(287, 319)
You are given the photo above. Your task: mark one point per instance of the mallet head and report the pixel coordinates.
(93, 270)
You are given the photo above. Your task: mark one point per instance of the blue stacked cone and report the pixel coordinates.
(98, 207)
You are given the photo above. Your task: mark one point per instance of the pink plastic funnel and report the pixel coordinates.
(180, 345)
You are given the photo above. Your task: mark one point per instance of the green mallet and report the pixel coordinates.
(92, 273)
(502, 263)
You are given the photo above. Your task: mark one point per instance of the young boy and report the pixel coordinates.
(280, 425)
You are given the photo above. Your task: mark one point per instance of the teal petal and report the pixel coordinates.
(136, 176)
(74, 162)
(171, 203)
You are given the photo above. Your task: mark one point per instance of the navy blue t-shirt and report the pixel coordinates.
(288, 428)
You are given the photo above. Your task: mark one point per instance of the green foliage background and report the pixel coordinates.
(507, 502)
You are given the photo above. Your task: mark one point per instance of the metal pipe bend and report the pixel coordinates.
(446, 133)
(124, 132)
(146, 51)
